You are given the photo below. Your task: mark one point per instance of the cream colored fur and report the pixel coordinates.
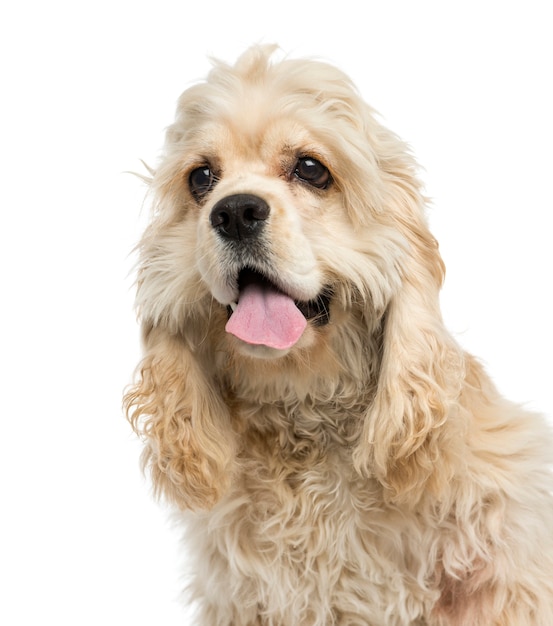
(371, 474)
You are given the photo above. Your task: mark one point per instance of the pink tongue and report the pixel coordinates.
(265, 316)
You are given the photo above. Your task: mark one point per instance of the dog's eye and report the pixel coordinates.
(201, 181)
(313, 172)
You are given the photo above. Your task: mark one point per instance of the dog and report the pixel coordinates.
(335, 456)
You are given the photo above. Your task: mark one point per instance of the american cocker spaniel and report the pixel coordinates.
(337, 459)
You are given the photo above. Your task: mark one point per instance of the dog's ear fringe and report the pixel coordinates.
(420, 379)
(189, 443)
(406, 431)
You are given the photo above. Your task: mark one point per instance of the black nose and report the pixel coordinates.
(241, 216)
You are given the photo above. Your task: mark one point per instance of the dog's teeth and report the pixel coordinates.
(233, 305)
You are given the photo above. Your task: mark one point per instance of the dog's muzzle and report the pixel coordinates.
(264, 314)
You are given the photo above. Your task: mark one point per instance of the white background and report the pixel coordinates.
(86, 92)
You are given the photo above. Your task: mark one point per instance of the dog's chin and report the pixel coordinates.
(258, 351)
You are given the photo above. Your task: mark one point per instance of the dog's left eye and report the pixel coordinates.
(313, 172)
(200, 181)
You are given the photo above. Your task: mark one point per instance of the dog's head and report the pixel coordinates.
(279, 204)
(288, 218)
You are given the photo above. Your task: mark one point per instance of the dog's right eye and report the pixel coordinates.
(201, 181)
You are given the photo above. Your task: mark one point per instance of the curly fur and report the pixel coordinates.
(371, 474)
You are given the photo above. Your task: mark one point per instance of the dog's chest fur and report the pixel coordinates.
(301, 529)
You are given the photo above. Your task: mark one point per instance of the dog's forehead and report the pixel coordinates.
(266, 137)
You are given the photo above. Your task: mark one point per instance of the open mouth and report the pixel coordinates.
(266, 315)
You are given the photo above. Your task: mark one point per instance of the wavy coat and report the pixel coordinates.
(371, 474)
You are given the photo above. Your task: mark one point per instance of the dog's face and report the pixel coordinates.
(261, 190)
(281, 204)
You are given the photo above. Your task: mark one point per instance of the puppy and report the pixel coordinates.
(335, 456)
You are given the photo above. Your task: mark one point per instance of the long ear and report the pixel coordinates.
(174, 406)
(407, 437)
